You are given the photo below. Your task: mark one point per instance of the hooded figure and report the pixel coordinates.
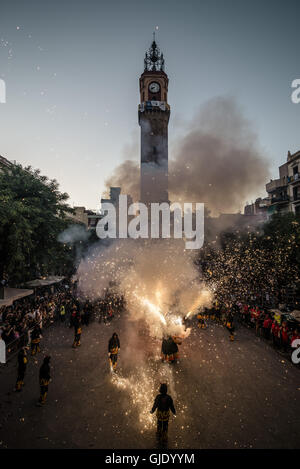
(164, 349)
(77, 332)
(169, 350)
(36, 335)
(22, 364)
(113, 349)
(44, 379)
(163, 403)
(230, 326)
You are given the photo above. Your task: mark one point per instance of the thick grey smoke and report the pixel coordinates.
(126, 176)
(73, 234)
(217, 161)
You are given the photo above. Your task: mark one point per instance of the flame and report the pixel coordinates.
(153, 309)
(203, 299)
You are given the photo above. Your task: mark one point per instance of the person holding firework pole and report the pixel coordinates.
(230, 326)
(44, 380)
(77, 332)
(163, 403)
(113, 349)
(36, 335)
(22, 364)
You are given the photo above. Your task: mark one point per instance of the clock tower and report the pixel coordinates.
(154, 114)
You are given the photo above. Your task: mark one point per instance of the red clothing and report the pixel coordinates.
(267, 323)
(284, 334)
(294, 337)
(275, 329)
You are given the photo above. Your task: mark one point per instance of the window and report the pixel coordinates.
(295, 193)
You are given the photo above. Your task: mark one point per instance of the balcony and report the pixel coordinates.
(296, 199)
(154, 106)
(283, 199)
(294, 178)
(275, 184)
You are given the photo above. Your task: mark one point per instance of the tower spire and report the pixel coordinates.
(154, 59)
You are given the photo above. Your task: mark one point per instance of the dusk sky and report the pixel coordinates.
(71, 70)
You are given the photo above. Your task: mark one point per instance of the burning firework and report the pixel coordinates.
(159, 281)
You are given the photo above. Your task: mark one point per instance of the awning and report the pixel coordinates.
(13, 294)
(44, 282)
(295, 314)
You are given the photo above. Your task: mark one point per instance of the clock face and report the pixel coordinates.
(154, 87)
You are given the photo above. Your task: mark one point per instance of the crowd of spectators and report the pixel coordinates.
(19, 319)
(274, 325)
(45, 307)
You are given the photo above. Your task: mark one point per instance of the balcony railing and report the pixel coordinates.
(280, 199)
(293, 178)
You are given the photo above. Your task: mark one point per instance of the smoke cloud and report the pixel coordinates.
(157, 277)
(73, 234)
(217, 161)
(126, 176)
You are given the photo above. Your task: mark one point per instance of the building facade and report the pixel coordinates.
(88, 218)
(293, 181)
(284, 192)
(4, 163)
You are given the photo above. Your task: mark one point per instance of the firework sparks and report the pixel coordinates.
(141, 387)
(153, 309)
(141, 390)
(204, 299)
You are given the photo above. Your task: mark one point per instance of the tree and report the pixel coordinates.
(33, 213)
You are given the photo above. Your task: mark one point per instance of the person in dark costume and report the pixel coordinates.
(77, 332)
(201, 320)
(164, 349)
(22, 364)
(36, 339)
(163, 403)
(44, 377)
(113, 349)
(169, 350)
(230, 326)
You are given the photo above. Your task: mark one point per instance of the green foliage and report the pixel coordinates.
(33, 213)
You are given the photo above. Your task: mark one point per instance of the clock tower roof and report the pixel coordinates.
(154, 59)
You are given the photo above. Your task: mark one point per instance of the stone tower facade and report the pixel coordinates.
(154, 114)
